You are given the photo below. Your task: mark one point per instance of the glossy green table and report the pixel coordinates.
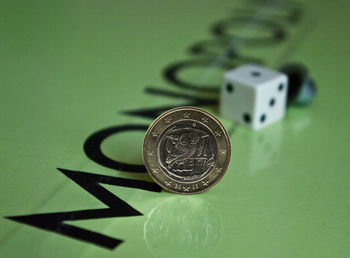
(81, 81)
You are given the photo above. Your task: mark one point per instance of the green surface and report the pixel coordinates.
(68, 69)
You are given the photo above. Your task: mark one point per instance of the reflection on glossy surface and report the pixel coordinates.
(182, 227)
(300, 123)
(265, 147)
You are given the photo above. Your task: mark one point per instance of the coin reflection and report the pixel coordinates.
(182, 227)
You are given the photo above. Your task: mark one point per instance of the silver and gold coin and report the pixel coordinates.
(186, 150)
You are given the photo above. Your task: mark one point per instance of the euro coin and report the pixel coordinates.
(186, 150)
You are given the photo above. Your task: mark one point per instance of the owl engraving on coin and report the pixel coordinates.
(187, 153)
(187, 143)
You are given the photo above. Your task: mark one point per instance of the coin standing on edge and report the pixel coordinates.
(186, 150)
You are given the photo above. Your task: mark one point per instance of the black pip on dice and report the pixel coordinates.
(254, 96)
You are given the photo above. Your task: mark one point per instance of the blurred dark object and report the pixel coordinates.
(302, 88)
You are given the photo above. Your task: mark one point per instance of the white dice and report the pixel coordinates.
(254, 95)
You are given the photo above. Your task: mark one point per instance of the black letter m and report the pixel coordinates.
(54, 222)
